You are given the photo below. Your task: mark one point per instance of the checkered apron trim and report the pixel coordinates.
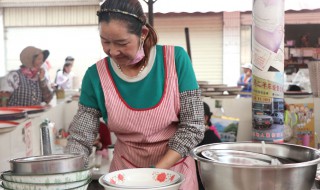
(143, 134)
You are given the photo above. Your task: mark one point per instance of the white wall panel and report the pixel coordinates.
(50, 16)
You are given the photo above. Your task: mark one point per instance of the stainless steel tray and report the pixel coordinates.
(49, 164)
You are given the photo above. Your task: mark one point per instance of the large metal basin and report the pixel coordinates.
(299, 175)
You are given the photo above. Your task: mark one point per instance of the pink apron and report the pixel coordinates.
(143, 134)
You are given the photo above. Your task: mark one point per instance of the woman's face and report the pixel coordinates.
(247, 71)
(118, 43)
(68, 68)
(38, 61)
(206, 118)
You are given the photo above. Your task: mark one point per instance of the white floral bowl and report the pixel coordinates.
(31, 186)
(47, 178)
(141, 178)
(172, 186)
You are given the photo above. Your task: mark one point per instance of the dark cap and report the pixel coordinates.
(69, 58)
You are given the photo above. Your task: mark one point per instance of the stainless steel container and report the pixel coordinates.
(51, 164)
(298, 175)
(47, 137)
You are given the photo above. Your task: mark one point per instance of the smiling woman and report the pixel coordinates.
(146, 93)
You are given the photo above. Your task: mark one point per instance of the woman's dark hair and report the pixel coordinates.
(131, 13)
(67, 64)
(207, 112)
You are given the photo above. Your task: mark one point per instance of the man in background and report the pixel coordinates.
(245, 79)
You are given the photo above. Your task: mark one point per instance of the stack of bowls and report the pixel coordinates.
(51, 172)
(142, 179)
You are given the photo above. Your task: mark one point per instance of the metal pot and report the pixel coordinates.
(50, 164)
(298, 175)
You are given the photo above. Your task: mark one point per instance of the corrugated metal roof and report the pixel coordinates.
(172, 6)
(50, 16)
(41, 3)
(190, 6)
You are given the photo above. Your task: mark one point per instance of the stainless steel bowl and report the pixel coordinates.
(299, 174)
(49, 164)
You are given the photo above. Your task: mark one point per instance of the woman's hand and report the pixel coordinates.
(168, 160)
(41, 74)
(98, 144)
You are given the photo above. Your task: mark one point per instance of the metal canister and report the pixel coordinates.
(47, 137)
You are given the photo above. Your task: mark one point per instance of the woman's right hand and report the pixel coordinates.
(168, 160)
(97, 143)
(41, 74)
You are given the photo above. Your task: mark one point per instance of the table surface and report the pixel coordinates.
(95, 185)
(96, 174)
(104, 169)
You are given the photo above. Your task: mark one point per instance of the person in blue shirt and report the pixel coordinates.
(246, 78)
